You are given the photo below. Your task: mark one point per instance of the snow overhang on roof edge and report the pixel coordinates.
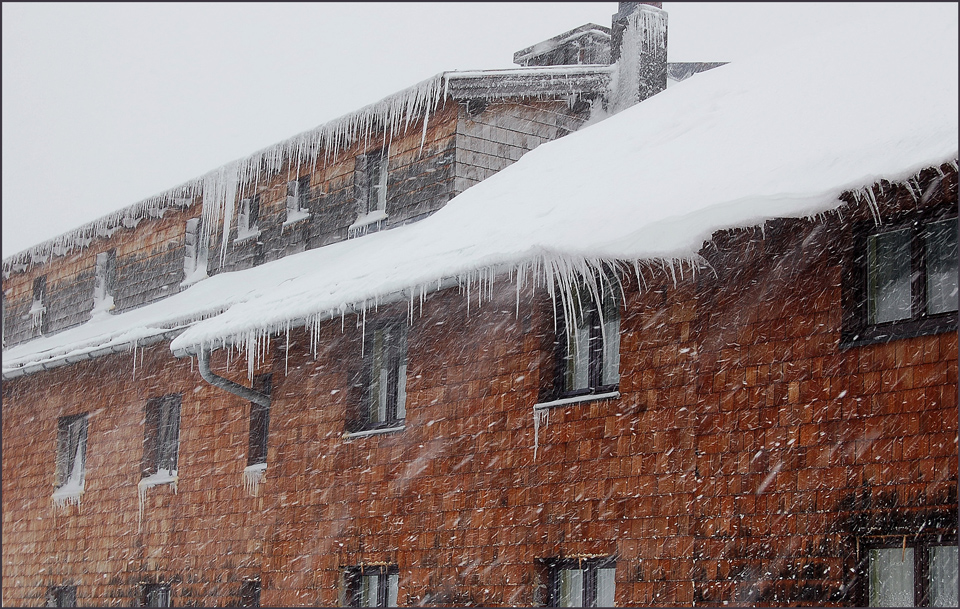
(81, 355)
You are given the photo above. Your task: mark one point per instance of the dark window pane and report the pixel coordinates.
(62, 596)
(941, 261)
(889, 277)
(156, 595)
(250, 594)
(71, 449)
(161, 436)
(387, 374)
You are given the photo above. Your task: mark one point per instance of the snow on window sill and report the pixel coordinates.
(372, 432)
(163, 476)
(577, 399)
(198, 275)
(68, 494)
(246, 236)
(293, 217)
(103, 307)
(363, 224)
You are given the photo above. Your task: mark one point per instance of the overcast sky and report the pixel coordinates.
(107, 104)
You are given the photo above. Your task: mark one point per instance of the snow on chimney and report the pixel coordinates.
(638, 47)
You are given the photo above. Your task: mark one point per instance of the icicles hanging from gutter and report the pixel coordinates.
(219, 188)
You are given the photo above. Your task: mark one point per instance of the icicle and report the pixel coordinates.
(541, 416)
(134, 359)
(286, 351)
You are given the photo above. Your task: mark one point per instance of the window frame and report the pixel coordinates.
(66, 457)
(298, 192)
(38, 305)
(195, 247)
(248, 217)
(352, 580)
(147, 590)
(396, 366)
(596, 356)
(259, 422)
(105, 280)
(857, 328)
(921, 563)
(161, 447)
(589, 566)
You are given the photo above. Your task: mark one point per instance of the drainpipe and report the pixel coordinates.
(218, 381)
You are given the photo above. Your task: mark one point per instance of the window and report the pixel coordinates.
(909, 574)
(250, 593)
(371, 586)
(297, 193)
(161, 436)
(259, 422)
(576, 582)
(155, 595)
(907, 280)
(248, 217)
(194, 251)
(384, 395)
(62, 596)
(372, 171)
(38, 306)
(71, 452)
(104, 282)
(589, 347)
(370, 188)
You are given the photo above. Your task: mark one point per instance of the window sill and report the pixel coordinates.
(253, 476)
(296, 217)
(349, 435)
(900, 330)
(577, 399)
(368, 223)
(69, 493)
(244, 237)
(161, 477)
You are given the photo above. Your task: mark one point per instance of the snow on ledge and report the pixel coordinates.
(349, 435)
(68, 494)
(163, 476)
(252, 478)
(294, 217)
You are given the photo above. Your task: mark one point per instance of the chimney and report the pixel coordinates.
(638, 47)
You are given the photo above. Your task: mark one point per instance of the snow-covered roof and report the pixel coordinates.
(780, 135)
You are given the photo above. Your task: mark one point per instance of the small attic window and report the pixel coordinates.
(297, 192)
(194, 252)
(248, 217)
(38, 307)
(104, 282)
(370, 188)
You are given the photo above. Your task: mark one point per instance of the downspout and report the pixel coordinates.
(218, 381)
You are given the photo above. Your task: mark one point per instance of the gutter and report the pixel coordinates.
(226, 384)
(64, 360)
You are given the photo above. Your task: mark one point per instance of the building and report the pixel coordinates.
(729, 375)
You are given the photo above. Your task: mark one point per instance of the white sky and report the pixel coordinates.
(107, 104)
